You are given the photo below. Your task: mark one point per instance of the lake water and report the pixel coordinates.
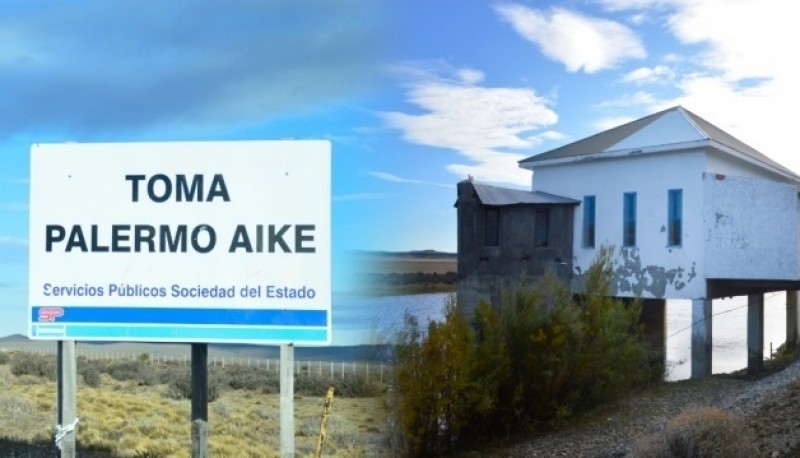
(369, 320)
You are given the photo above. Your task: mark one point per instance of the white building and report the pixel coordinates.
(693, 213)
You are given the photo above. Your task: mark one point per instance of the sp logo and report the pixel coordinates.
(49, 314)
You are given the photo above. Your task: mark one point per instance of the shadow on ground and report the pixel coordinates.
(18, 449)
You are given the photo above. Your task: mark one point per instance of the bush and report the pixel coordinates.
(137, 371)
(432, 382)
(181, 387)
(90, 373)
(245, 378)
(4, 358)
(33, 364)
(700, 432)
(534, 360)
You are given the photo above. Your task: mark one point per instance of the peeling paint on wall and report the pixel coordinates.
(631, 277)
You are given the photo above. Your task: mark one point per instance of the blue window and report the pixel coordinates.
(588, 221)
(629, 219)
(675, 218)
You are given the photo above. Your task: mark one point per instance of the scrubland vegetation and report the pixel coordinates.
(135, 409)
(701, 432)
(529, 364)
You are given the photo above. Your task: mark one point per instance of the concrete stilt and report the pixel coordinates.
(654, 319)
(755, 332)
(791, 319)
(701, 338)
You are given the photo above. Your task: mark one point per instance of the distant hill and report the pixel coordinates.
(406, 272)
(14, 338)
(419, 254)
(126, 349)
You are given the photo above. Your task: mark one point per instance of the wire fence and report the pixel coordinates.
(369, 370)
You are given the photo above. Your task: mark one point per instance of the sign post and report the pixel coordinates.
(67, 398)
(199, 400)
(287, 401)
(191, 242)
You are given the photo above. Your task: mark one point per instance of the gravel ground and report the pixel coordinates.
(770, 405)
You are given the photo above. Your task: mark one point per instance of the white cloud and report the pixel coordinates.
(19, 181)
(358, 196)
(396, 179)
(618, 5)
(637, 99)
(393, 178)
(574, 39)
(470, 76)
(744, 76)
(553, 135)
(103, 68)
(538, 139)
(639, 18)
(13, 241)
(611, 122)
(14, 206)
(747, 83)
(481, 123)
(649, 75)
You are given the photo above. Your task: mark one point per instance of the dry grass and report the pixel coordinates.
(413, 265)
(700, 432)
(386, 263)
(133, 420)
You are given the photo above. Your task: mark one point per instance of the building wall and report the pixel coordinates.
(722, 163)
(650, 269)
(484, 272)
(751, 228)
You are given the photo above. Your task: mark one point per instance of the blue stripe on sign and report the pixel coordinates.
(79, 331)
(193, 316)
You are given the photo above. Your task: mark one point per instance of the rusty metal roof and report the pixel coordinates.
(494, 195)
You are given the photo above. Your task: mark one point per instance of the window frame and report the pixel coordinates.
(629, 203)
(541, 227)
(675, 217)
(589, 229)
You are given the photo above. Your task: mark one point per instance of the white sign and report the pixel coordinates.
(181, 242)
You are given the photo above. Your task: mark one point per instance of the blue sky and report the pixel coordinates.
(414, 95)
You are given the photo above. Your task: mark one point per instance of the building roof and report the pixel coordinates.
(675, 127)
(494, 195)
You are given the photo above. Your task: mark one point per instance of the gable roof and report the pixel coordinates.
(494, 195)
(666, 130)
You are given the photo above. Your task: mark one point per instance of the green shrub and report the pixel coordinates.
(244, 378)
(432, 383)
(700, 432)
(137, 371)
(4, 357)
(181, 387)
(534, 359)
(33, 364)
(90, 373)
